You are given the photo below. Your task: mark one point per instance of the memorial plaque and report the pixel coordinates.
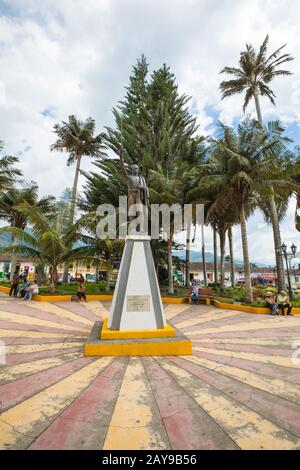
(138, 303)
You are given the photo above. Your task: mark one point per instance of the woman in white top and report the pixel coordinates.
(33, 289)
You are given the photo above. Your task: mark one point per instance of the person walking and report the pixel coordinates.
(81, 292)
(14, 284)
(271, 303)
(283, 302)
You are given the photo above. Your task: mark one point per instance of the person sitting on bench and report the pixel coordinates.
(270, 303)
(283, 302)
(195, 294)
(22, 288)
(32, 290)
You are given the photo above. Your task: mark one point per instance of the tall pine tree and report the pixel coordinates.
(154, 128)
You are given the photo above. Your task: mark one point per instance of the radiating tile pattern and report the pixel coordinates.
(239, 390)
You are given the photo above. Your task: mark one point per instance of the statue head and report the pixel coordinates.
(135, 170)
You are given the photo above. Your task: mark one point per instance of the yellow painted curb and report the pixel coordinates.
(248, 308)
(173, 300)
(5, 290)
(52, 298)
(167, 348)
(101, 297)
(167, 332)
(67, 298)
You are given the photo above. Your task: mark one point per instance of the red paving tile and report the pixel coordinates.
(86, 421)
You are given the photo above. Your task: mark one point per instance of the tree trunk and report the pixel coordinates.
(170, 261)
(247, 272)
(297, 212)
(74, 191)
(157, 271)
(187, 256)
(13, 260)
(66, 272)
(232, 270)
(203, 255)
(274, 219)
(258, 110)
(72, 210)
(97, 273)
(107, 286)
(215, 257)
(277, 243)
(40, 273)
(53, 279)
(222, 236)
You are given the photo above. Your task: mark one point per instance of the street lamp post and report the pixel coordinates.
(288, 256)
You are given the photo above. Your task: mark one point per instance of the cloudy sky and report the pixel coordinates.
(75, 56)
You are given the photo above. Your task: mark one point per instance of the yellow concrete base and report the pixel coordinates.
(178, 345)
(106, 333)
(174, 348)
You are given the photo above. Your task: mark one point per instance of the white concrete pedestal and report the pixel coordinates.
(137, 302)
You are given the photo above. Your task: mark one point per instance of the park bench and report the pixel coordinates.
(203, 294)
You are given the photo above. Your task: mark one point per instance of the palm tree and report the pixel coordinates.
(8, 171)
(231, 256)
(98, 253)
(221, 222)
(154, 128)
(194, 156)
(274, 197)
(94, 251)
(166, 187)
(205, 194)
(14, 196)
(188, 254)
(43, 245)
(215, 250)
(77, 138)
(62, 209)
(296, 178)
(256, 71)
(242, 170)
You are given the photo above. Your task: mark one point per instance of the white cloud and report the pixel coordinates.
(75, 56)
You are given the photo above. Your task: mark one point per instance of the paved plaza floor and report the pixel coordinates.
(239, 390)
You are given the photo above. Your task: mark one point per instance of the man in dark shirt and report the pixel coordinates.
(14, 284)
